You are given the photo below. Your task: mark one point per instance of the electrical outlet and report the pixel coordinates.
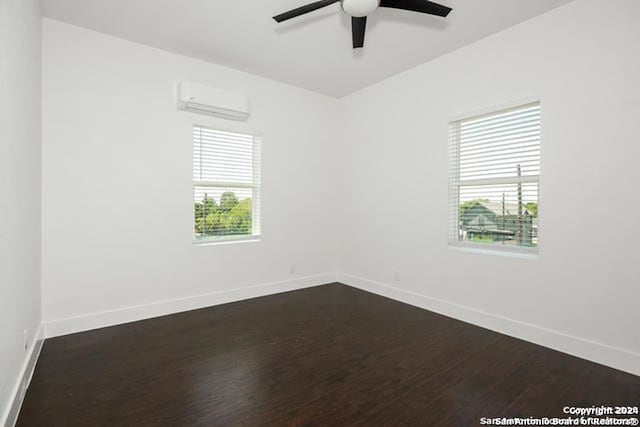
(26, 339)
(292, 269)
(396, 276)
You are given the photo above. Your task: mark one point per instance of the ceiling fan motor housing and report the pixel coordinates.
(359, 8)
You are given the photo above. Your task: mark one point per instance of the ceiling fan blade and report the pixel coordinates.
(422, 6)
(304, 9)
(358, 28)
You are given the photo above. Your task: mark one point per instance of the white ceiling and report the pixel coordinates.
(313, 51)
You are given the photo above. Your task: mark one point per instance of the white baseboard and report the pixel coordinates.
(10, 415)
(103, 319)
(617, 358)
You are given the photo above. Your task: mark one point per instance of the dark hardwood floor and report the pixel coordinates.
(330, 355)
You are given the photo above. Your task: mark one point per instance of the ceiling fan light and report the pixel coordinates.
(359, 8)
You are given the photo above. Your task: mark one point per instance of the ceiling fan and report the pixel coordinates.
(360, 9)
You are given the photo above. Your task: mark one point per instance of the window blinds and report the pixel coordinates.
(226, 185)
(493, 178)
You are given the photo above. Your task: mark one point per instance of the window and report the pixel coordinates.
(226, 185)
(493, 179)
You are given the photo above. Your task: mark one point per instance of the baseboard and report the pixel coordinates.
(103, 319)
(10, 415)
(617, 358)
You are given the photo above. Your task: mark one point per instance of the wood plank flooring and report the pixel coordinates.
(327, 356)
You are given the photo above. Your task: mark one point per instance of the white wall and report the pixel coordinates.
(117, 188)
(19, 187)
(581, 294)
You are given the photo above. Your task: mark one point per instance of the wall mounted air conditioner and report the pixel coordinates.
(203, 99)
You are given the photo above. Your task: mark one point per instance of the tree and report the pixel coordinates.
(210, 204)
(212, 224)
(240, 218)
(532, 208)
(228, 201)
(204, 213)
(230, 217)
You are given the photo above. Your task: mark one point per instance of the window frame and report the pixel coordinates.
(455, 185)
(255, 187)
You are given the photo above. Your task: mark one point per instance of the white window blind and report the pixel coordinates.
(226, 185)
(493, 178)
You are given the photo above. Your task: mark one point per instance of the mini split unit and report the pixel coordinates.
(203, 99)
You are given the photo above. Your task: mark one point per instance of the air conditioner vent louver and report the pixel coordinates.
(210, 101)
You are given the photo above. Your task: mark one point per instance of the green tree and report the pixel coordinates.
(228, 201)
(532, 208)
(230, 217)
(240, 218)
(203, 211)
(212, 224)
(198, 217)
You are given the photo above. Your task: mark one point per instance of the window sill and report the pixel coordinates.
(521, 253)
(229, 241)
